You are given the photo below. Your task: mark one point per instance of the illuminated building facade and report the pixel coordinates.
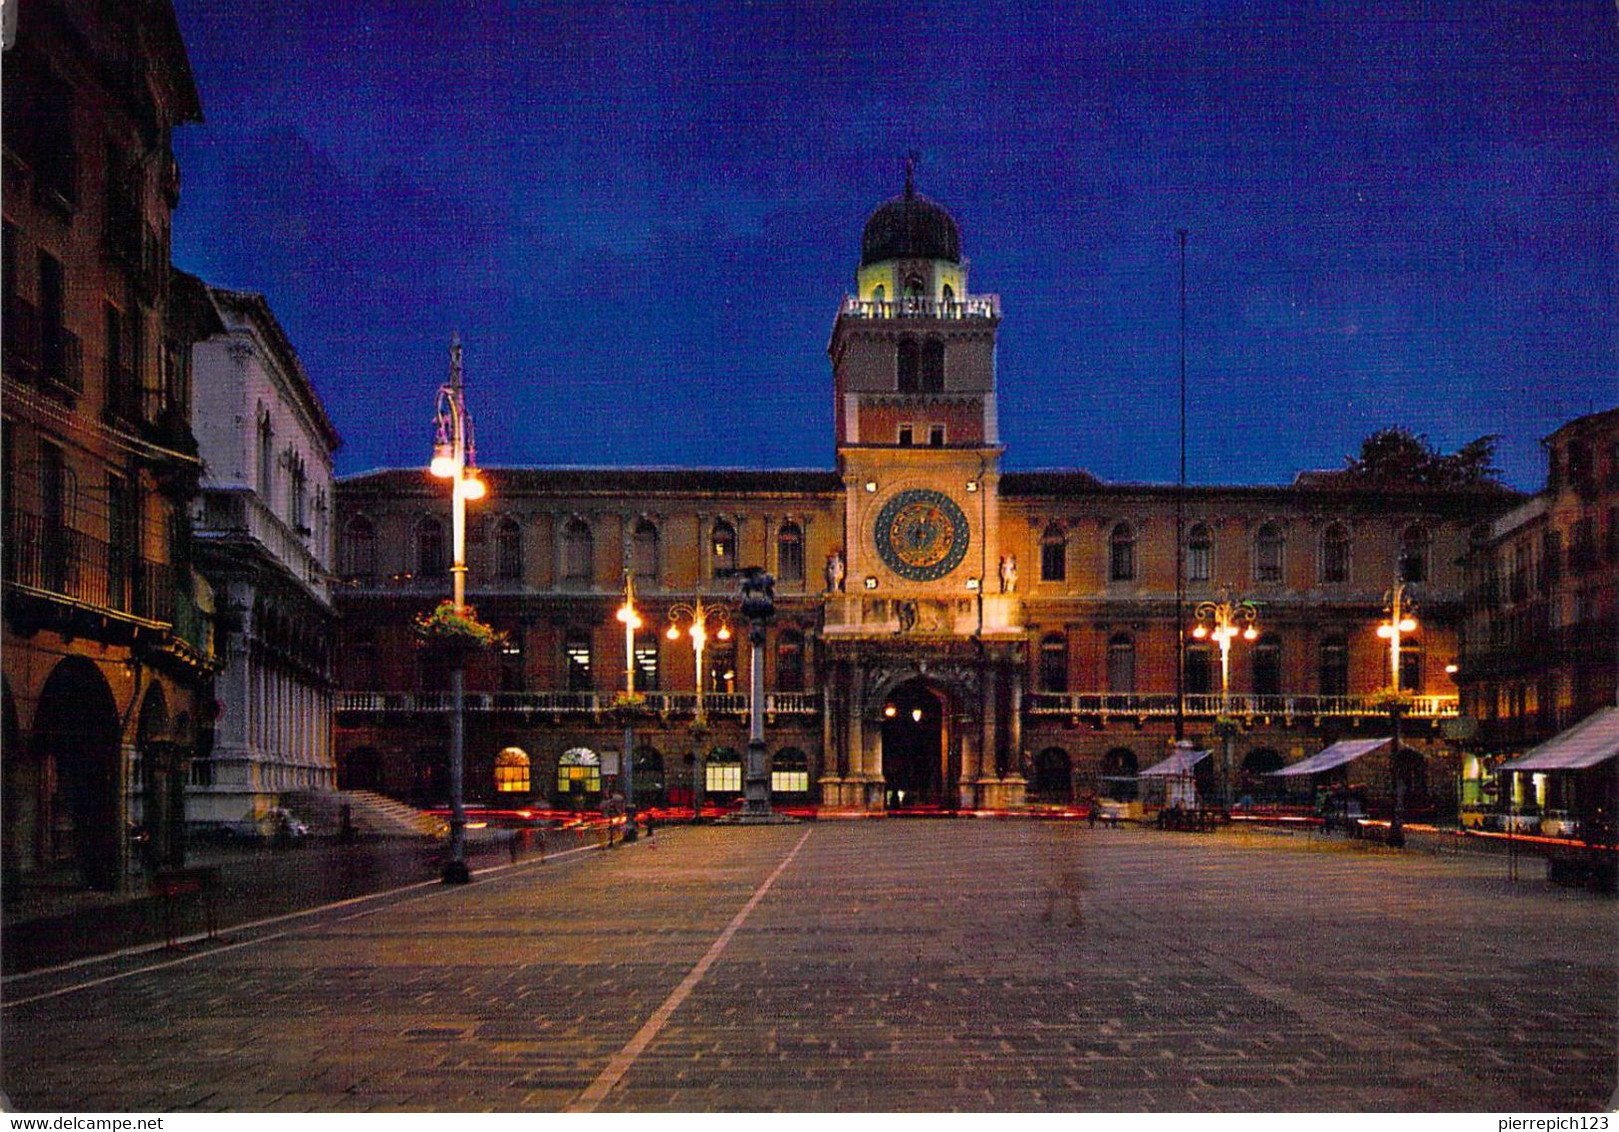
(108, 649)
(1540, 646)
(948, 634)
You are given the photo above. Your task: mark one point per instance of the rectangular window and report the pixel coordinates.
(1053, 561)
(646, 668)
(578, 664)
(936, 436)
(906, 436)
(724, 778)
(789, 782)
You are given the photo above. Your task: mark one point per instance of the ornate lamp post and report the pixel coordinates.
(697, 617)
(454, 459)
(1397, 622)
(631, 620)
(1224, 620)
(758, 606)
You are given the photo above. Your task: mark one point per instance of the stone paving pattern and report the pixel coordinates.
(894, 965)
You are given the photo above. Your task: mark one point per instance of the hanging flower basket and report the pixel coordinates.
(1390, 700)
(626, 705)
(454, 633)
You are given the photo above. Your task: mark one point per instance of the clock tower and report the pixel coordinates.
(923, 632)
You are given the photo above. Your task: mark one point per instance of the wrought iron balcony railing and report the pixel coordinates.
(60, 561)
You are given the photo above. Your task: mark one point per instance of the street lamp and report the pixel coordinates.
(630, 618)
(1397, 621)
(697, 617)
(454, 459)
(1225, 620)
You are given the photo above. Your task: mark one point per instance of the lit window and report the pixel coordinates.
(512, 771)
(789, 772)
(579, 772)
(724, 547)
(724, 771)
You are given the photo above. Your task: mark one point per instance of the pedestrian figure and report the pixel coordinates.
(514, 844)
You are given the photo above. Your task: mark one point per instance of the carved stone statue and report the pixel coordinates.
(834, 573)
(907, 615)
(1009, 574)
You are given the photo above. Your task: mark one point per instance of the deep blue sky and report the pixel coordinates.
(642, 217)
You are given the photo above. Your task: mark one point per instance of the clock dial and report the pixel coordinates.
(921, 534)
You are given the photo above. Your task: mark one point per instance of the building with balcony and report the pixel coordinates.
(1540, 642)
(949, 635)
(263, 536)
(108, 654)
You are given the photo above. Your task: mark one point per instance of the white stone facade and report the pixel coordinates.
(264, 534)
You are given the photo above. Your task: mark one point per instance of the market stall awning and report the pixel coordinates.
(1593, 740)
(1181, 762)
(1343, 751)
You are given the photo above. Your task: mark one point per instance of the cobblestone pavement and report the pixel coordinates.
(898, 965)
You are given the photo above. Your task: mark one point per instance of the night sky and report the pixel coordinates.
(642, 218)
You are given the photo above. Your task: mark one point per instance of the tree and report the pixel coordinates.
(1398, 457)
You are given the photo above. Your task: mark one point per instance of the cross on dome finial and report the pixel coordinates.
(910, 167)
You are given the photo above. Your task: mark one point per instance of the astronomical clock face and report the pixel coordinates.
(921, 534)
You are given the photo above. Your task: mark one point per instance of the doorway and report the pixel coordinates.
(914, 748)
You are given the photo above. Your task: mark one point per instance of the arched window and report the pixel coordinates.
(1335, 554)
(878, 293)
(949, 293)
(790, 661)
(1334, 667)
(933, 366)
(579, 771)
(360, 551)
(789, 772)
(1199, 669)
(1414, 553)
(578, 554)
(1054, 554)
(1121, 663)
(790, 554)
(1268, 553)
(1121, 557)
(914, 288)
(645, 547)
(724, 771)
(1199, 553)
(509, 550)
(578, 659)
(431, 559)
(1054, 663)
(1268, 665)
(723, 543)
(1053, 775)
(512, 771)
(910, 366)
(1119, 780)
(266, 457)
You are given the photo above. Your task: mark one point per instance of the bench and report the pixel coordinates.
(170, 886)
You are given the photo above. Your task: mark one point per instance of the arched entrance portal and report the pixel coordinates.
(76, 738)
(914, 747)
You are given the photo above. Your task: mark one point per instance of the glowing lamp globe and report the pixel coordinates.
(443, 465)
(1385, 631)
(1408, 626)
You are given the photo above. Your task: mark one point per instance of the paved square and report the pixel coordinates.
(983, 965)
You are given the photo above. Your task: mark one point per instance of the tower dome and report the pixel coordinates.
(910, 226)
